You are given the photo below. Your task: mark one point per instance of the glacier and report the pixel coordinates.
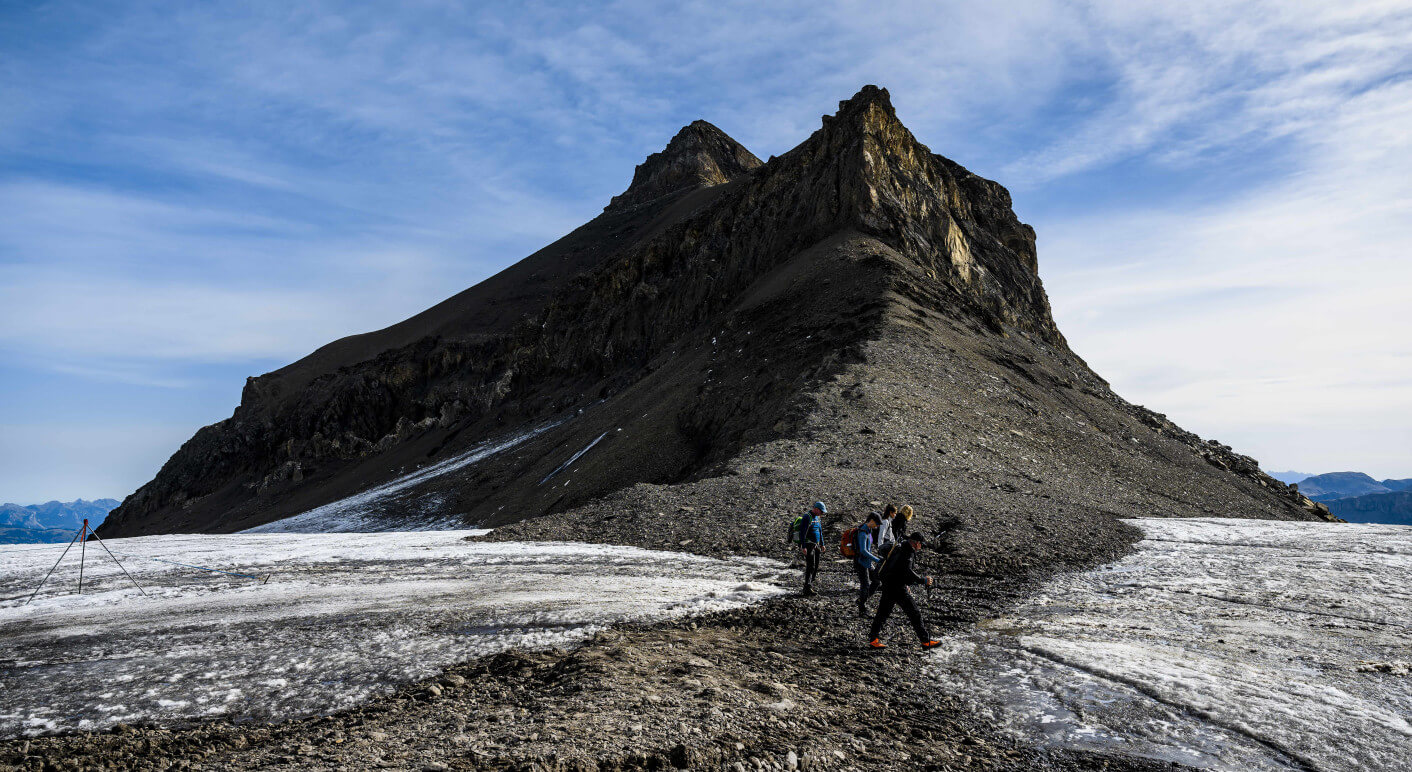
(1219, 643)
(343, 617)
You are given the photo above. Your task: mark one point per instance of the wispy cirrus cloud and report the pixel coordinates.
(1276, 320)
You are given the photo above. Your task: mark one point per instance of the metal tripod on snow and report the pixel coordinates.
(82, 539)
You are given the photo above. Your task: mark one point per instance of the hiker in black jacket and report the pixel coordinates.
(895, 576)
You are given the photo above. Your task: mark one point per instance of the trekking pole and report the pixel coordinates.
(120, 564)
(51, 571)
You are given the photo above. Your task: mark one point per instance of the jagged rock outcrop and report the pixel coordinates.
(699, 155)
(707, 320)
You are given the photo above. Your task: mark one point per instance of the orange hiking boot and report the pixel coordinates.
(877, 643)
(931, 644)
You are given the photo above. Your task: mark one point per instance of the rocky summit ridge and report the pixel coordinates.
(699, 155)
(856, 319)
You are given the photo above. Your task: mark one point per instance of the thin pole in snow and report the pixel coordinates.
(82, 552)
(51, 571)
(119, 562)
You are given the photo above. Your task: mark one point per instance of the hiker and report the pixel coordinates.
(885, 537)
(865, 560)
(809, 531)
(894, 577)
(901, 521)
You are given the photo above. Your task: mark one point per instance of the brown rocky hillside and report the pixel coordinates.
(858, 319)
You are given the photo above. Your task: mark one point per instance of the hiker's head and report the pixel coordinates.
(819, 508)
(906, 511)
(917, 541)
(890, 510)
(873, 518)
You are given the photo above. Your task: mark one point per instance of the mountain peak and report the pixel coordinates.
(867, 97)
(699, 154)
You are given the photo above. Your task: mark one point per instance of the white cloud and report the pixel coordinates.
(1212, 76)
(1277, 322)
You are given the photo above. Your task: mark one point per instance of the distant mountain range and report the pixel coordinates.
(51, 521)
(1357, 497)
(1341, 485)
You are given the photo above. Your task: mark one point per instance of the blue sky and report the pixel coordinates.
(194, 193)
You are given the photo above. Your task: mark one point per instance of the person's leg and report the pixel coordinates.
(909, 607)
(812, 565)
(865, 581)
(885, 603)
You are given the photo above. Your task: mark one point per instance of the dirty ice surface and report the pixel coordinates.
(362, 512)
(342, 617)
(1227, 644)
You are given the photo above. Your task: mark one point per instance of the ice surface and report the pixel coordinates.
(343, 617)
(1228, 644)
(362, 512)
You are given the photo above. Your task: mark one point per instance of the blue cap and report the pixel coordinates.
(819, 505)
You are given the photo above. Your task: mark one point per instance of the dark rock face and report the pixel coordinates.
(1393, 508)
(1338, 485)
(699, 155)
(723, 316)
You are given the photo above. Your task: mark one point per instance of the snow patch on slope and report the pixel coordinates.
(343, 618)
(1226, 644)
(362, 512)
(573, 458)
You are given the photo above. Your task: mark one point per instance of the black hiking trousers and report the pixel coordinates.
(898, 596)
(867, 583)
(812, 556)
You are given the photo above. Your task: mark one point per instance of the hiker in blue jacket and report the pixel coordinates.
(809, 531)
(865, 559)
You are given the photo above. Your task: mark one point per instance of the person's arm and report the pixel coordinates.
(912, 576)
(865, 547)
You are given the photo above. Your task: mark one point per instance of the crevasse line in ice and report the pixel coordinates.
(1225, 644)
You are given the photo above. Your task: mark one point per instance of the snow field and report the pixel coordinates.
(344, 617)
(1225, 644)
